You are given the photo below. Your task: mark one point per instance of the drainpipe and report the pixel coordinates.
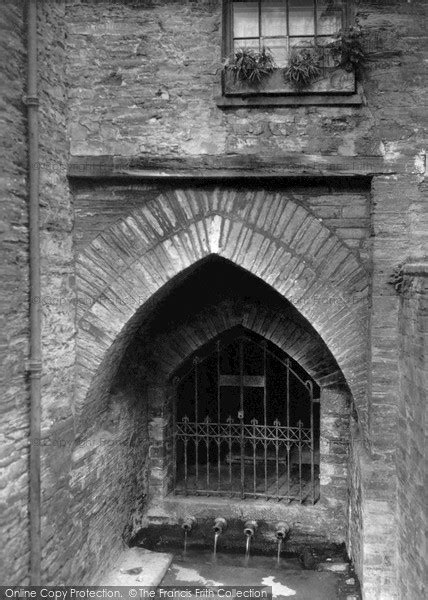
(35, 362)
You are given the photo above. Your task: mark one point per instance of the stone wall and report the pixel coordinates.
(355, 541)
(412, 453)
(143, 83)
(372, 524)
(127, 80)
(393, 91)
(57, 269)
(108, 481)
(14, 552)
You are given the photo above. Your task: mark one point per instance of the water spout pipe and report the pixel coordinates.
(250, 528)
(220, 525)
(282, 530)
(188, 524)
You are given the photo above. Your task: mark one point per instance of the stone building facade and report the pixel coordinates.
(156, 188)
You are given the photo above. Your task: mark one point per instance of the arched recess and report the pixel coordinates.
(272, 237)
(159, 348)
(173, 332)
(215, 298)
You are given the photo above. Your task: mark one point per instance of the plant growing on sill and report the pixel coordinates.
(348, 50)
(251, 66)
(304, 66)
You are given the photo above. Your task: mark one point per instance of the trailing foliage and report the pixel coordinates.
(348, 50)
(251, 66)
(304, 66)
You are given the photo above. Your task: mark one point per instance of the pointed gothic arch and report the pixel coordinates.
(272, 237)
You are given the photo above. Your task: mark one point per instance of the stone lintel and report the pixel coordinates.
(232, 166)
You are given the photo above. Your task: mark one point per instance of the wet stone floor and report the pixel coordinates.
(287, 579)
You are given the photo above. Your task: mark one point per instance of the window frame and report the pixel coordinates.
(228, 37)
(283, 97)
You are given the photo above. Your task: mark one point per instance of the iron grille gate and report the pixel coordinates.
(253, 459)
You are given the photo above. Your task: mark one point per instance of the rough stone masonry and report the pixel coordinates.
(144, 176)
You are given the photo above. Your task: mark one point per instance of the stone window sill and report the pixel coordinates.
(295, 100)
(335, 88)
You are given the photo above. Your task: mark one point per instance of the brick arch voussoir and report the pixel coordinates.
(272, 237)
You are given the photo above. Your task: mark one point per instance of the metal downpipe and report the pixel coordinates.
(35, 362)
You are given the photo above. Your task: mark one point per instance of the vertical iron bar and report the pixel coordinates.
(315, 21)
(254, 457)
(230, 452)
(241, 402)
(227, 29)
(311, 399)
(265, 443)
(260, 24)
(277, 457)
(265, 448)
(300, 460)
(207, 440)
(218, 418)
(185, 464)
(288, 427)
(196, 426)
(174, 436)
(287, 10)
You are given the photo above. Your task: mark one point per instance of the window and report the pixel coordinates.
(281, 25)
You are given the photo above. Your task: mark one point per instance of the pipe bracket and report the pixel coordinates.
(32, 101)
(33, 366)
